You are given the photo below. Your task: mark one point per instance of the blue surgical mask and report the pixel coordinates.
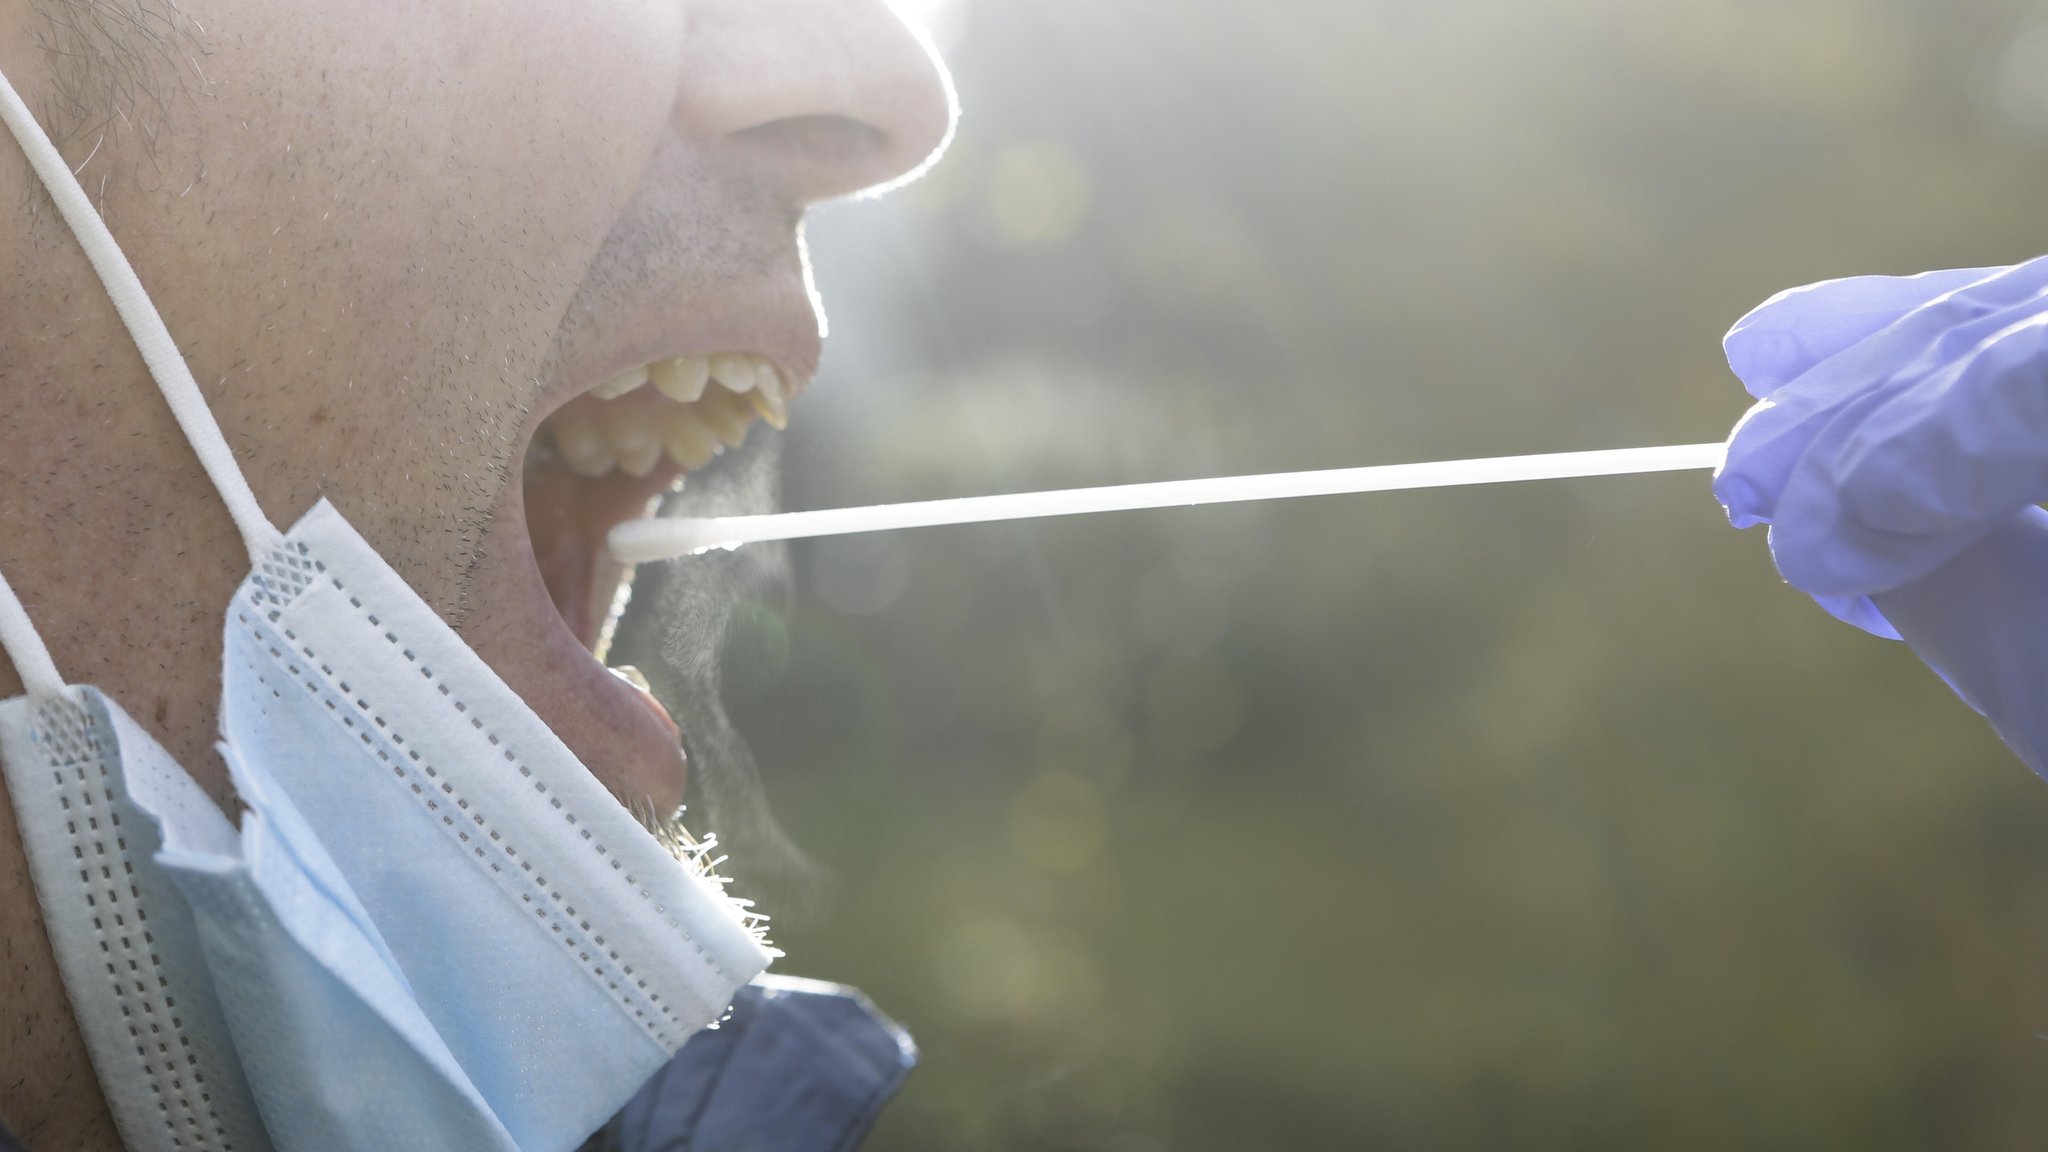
(433, 929)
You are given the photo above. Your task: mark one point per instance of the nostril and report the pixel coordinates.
(824, 156)
(830, 138)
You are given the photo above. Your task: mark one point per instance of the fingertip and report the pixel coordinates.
(1740, 499)
(1764, 359)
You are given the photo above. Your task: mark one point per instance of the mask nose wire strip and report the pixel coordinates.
(159, 351)
(25, 646)
(665, 538)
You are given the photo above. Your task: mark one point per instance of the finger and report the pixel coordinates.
(1785, 336)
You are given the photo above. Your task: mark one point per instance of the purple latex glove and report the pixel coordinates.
(1898, 446)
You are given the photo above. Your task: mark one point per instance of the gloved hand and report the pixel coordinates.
(1897, 450)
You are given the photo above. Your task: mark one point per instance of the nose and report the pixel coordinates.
(832, 97)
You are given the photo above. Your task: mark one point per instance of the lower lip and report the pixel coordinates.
(653, 705)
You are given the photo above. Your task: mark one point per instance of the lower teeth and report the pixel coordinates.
(631, 675)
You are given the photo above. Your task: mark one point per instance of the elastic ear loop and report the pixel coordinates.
(24, 646)
(159, 351)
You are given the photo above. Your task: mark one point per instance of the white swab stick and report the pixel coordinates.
(640, 541)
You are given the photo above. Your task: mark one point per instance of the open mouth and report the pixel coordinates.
(607, 455)
(610, 453)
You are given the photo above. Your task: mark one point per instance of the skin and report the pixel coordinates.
(390, 237)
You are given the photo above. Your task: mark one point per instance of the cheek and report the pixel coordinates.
(550, 110)
(390, 206)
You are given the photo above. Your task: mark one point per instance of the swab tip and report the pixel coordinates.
(668, 538)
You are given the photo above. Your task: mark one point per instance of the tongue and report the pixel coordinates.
(567, 517)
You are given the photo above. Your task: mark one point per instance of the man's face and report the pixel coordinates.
(394, 240)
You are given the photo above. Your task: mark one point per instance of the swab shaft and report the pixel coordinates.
(640, 541)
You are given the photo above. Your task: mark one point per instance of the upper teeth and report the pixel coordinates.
(708, 402)
(621, 384)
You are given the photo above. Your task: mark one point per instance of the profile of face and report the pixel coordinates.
(410, 250)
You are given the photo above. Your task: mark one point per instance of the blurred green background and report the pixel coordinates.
(1523, 818)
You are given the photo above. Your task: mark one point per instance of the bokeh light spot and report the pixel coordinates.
(1036, 193)
(2023, 79)
(989, 970)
